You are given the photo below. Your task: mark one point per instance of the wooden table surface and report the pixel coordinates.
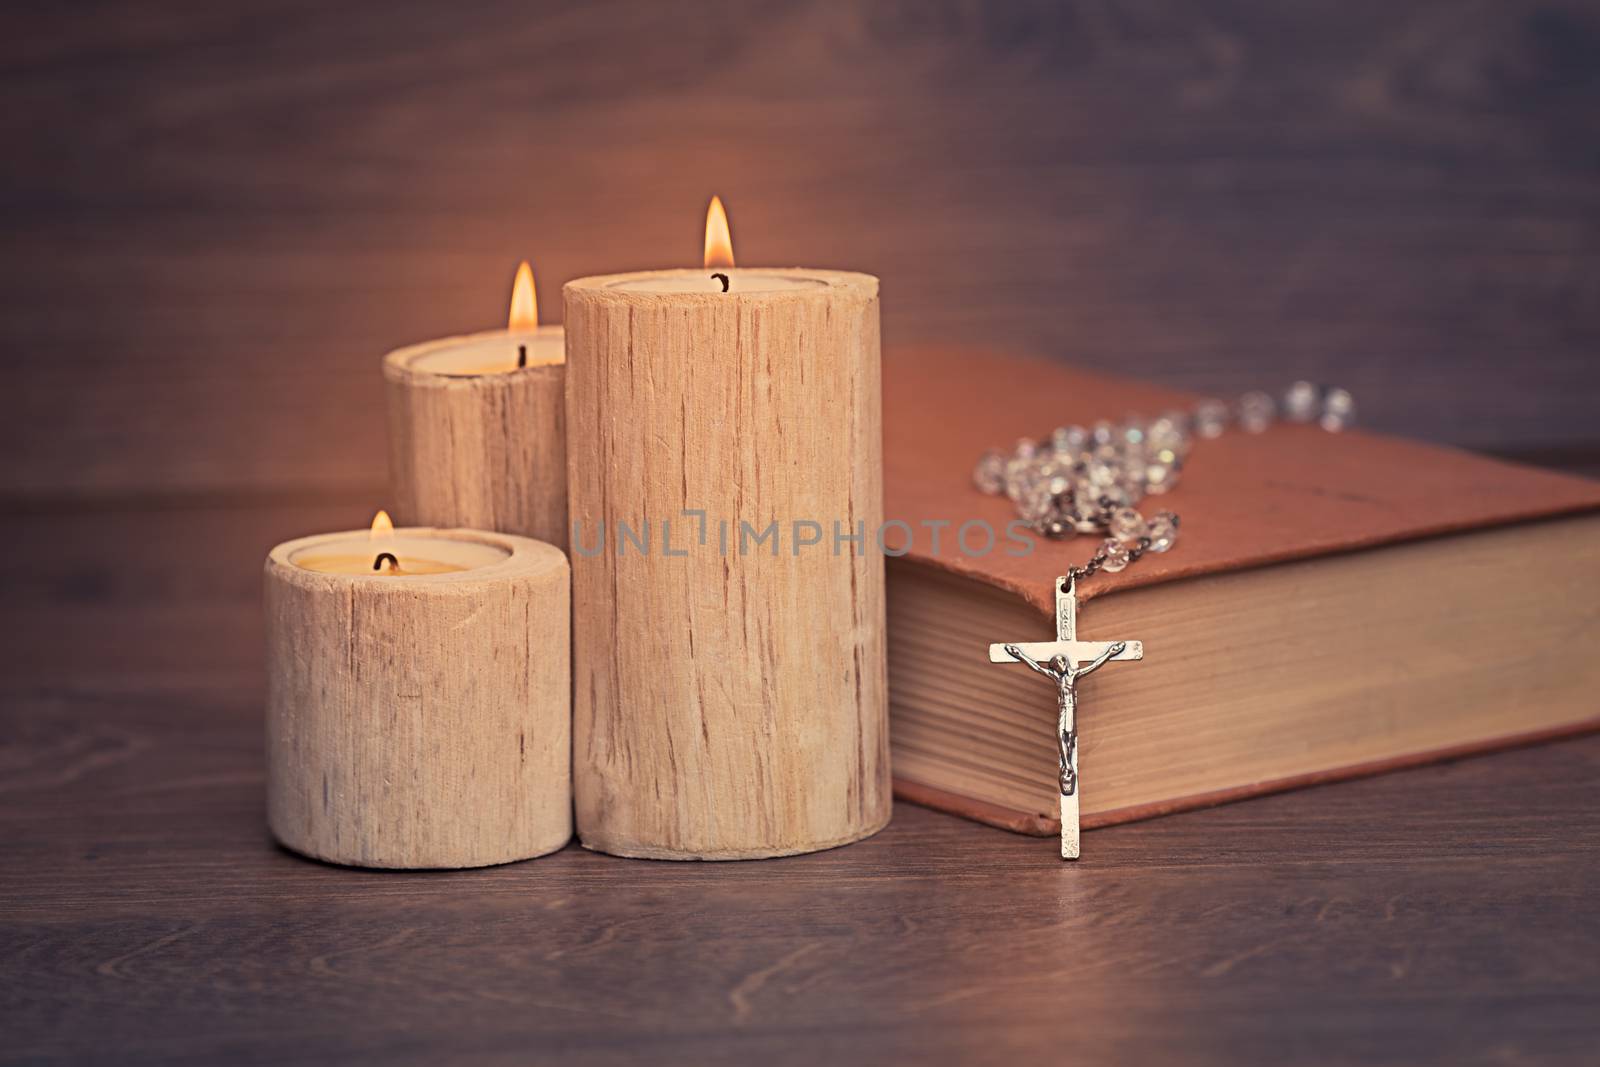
(1440, 915)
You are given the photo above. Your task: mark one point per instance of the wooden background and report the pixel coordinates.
(218, 217)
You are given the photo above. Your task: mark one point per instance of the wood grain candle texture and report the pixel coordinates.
(476, 441)
(729, 697)
(419, 720)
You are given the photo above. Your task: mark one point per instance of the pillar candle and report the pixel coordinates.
(476, 427)
(729, 689)
(418, 698)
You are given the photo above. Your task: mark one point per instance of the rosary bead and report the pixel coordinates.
(1037, 505)
(1069, 440)
(1086, 508)
(1046, 473)
(1338, 410)
(1161, 473)
(1256, 411)
(1300, 402)
(1103, 433)
(1115, 496)
(1169, 433)
(1163, 531)
(990, 474)
(1116, 555)
(1127, 524)
(1026, 448)
(1210, 418)
(1101, 474)
(1021, 476)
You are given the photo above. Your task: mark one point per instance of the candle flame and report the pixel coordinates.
(719, 242)
(382, 525)
(524, 300)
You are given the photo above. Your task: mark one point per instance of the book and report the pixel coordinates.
(1336, 605)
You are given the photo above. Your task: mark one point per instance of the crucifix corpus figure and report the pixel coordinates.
(1064, 661)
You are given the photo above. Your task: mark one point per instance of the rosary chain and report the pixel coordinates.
(1098, 560)
(1084, 480)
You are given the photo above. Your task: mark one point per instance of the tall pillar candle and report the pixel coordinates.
(418, 698)
(729, 687)
(477, 434)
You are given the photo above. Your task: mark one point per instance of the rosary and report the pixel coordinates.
(1091, 481)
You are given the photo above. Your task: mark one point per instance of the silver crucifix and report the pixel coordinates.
(1064, 661)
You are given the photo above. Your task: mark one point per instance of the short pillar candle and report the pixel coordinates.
(476, 427)
(418, 714)
(729, 694)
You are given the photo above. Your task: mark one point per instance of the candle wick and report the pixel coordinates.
(377, 564)
(723, 278)
(522, 355)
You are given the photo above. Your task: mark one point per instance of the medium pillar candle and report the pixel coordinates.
(477, 434)
(418, 715)
(475, 446)
(729, 688)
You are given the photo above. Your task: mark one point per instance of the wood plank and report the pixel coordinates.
(208, 209)
(151, 915)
